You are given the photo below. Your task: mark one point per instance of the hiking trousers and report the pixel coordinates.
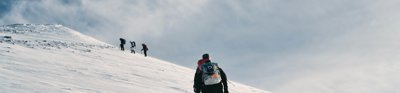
(216, 88)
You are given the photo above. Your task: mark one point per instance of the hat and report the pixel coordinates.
(206, 56)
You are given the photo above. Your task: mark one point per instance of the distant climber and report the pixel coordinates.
(209, 77)
(144, 49)
(133, 45)
(122, 43)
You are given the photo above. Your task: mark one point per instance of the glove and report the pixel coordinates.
(226, 90)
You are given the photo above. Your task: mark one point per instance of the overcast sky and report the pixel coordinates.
(284, 46)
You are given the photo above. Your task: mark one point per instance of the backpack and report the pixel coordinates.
(210, 73)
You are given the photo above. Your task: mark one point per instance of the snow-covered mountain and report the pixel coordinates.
(55, 59)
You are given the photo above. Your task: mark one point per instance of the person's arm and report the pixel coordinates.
(224, 80)
(197, 81)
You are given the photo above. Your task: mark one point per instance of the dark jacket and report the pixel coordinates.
(144, 47)
(216, 88)
(122, 40)
(133, 44)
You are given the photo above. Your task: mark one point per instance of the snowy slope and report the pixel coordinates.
(56, 59)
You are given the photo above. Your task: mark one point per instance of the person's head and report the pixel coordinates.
(206, 56)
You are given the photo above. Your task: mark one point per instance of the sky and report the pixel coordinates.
(284, 46)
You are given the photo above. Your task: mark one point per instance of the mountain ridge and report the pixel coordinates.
(57, 59)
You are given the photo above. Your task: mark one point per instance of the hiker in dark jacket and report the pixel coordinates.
(145, 49)
(133, 45)
(200, 86)
(122, 43)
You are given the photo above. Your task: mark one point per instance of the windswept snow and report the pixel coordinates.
(47, 31)
(56, 59)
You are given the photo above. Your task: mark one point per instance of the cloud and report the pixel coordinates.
(360, 60)
(5, 6)
(286, 46)
(103, 19)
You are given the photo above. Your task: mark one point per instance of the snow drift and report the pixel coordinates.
(55, 59)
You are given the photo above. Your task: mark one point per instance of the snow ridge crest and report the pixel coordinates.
(49, 36)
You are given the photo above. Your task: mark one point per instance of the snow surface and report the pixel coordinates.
(55, 59)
